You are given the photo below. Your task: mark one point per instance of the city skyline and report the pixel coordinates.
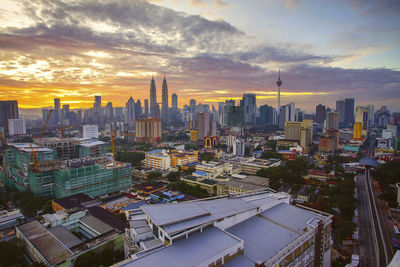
(93, 49)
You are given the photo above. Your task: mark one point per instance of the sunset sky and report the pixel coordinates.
(209, 50)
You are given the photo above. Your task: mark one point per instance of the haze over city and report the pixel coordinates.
(208, 50)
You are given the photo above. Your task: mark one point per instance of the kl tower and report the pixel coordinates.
(279, 83)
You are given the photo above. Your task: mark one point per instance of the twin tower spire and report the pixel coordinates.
(154, 107)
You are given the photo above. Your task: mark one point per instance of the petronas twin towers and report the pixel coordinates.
(154, 107)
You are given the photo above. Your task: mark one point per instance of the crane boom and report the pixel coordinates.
(34, 154)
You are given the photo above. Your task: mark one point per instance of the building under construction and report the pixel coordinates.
(57, 178)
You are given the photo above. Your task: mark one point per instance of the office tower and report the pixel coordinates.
(56, 115)
(109, 110)
(90, 131)
(320, 114)
(266, 115)
(65, 112)
(340, 109)
(119, 113)
(279, 83)
(16, 127)
(138, 109)
(249, 108)
(79, 116)
(165, 107)
(239, 147)
(349, 110)
(223, 109)
(8, 110)
(290, 112)
(148, 130)
(146, 108)
(332, 121)
(130, 111)
(371, 118)
(203, 125)
(174, 98)
(97, 103)
(45, 114)
(281, 117)
(153, 98)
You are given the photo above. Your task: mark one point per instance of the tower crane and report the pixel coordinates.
(34, 154)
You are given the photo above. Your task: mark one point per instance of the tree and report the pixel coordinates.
(271, 154)
(134, 158)
(28, 202)
(206, 156)
(89, 259)
(154, 175)
(272, 144)
(189, 146)
(48, 207)
(173, 176)
(11, 253)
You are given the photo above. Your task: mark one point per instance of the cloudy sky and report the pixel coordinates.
(209, 50)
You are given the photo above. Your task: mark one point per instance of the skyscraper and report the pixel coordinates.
(340, 110)
(56, 113)
(279, 83)
(193, 109)
(146, 108)
(320, 114)
(249, 109)
(164, 108)
(266, 115)
(174, 101)
(138, 109)
(8, 110)
(153, 97)
(349, 110)
(97, 103)
(130, 110)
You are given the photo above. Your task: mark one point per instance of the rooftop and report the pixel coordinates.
(199, 248)
(46, 243)
(77, 201)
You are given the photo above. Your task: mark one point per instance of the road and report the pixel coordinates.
(366, 236)
(375, 229)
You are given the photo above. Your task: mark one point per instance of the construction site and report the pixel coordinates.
(52, 177)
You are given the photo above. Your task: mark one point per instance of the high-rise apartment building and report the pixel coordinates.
(249, 109)
(340, 109)
(332, 121)
(90, 131)
(349, 110)
(300, 131)
(165, 105)
(153, 98)
(148, 130)
(8, 110)
(320, 114)
(203, 125)
(239, 147)
(16, 127)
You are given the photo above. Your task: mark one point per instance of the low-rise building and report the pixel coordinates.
(180, 158)
(157, 159)
(320, 175)
(252, 166)
(255, 229)
(10, 218)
